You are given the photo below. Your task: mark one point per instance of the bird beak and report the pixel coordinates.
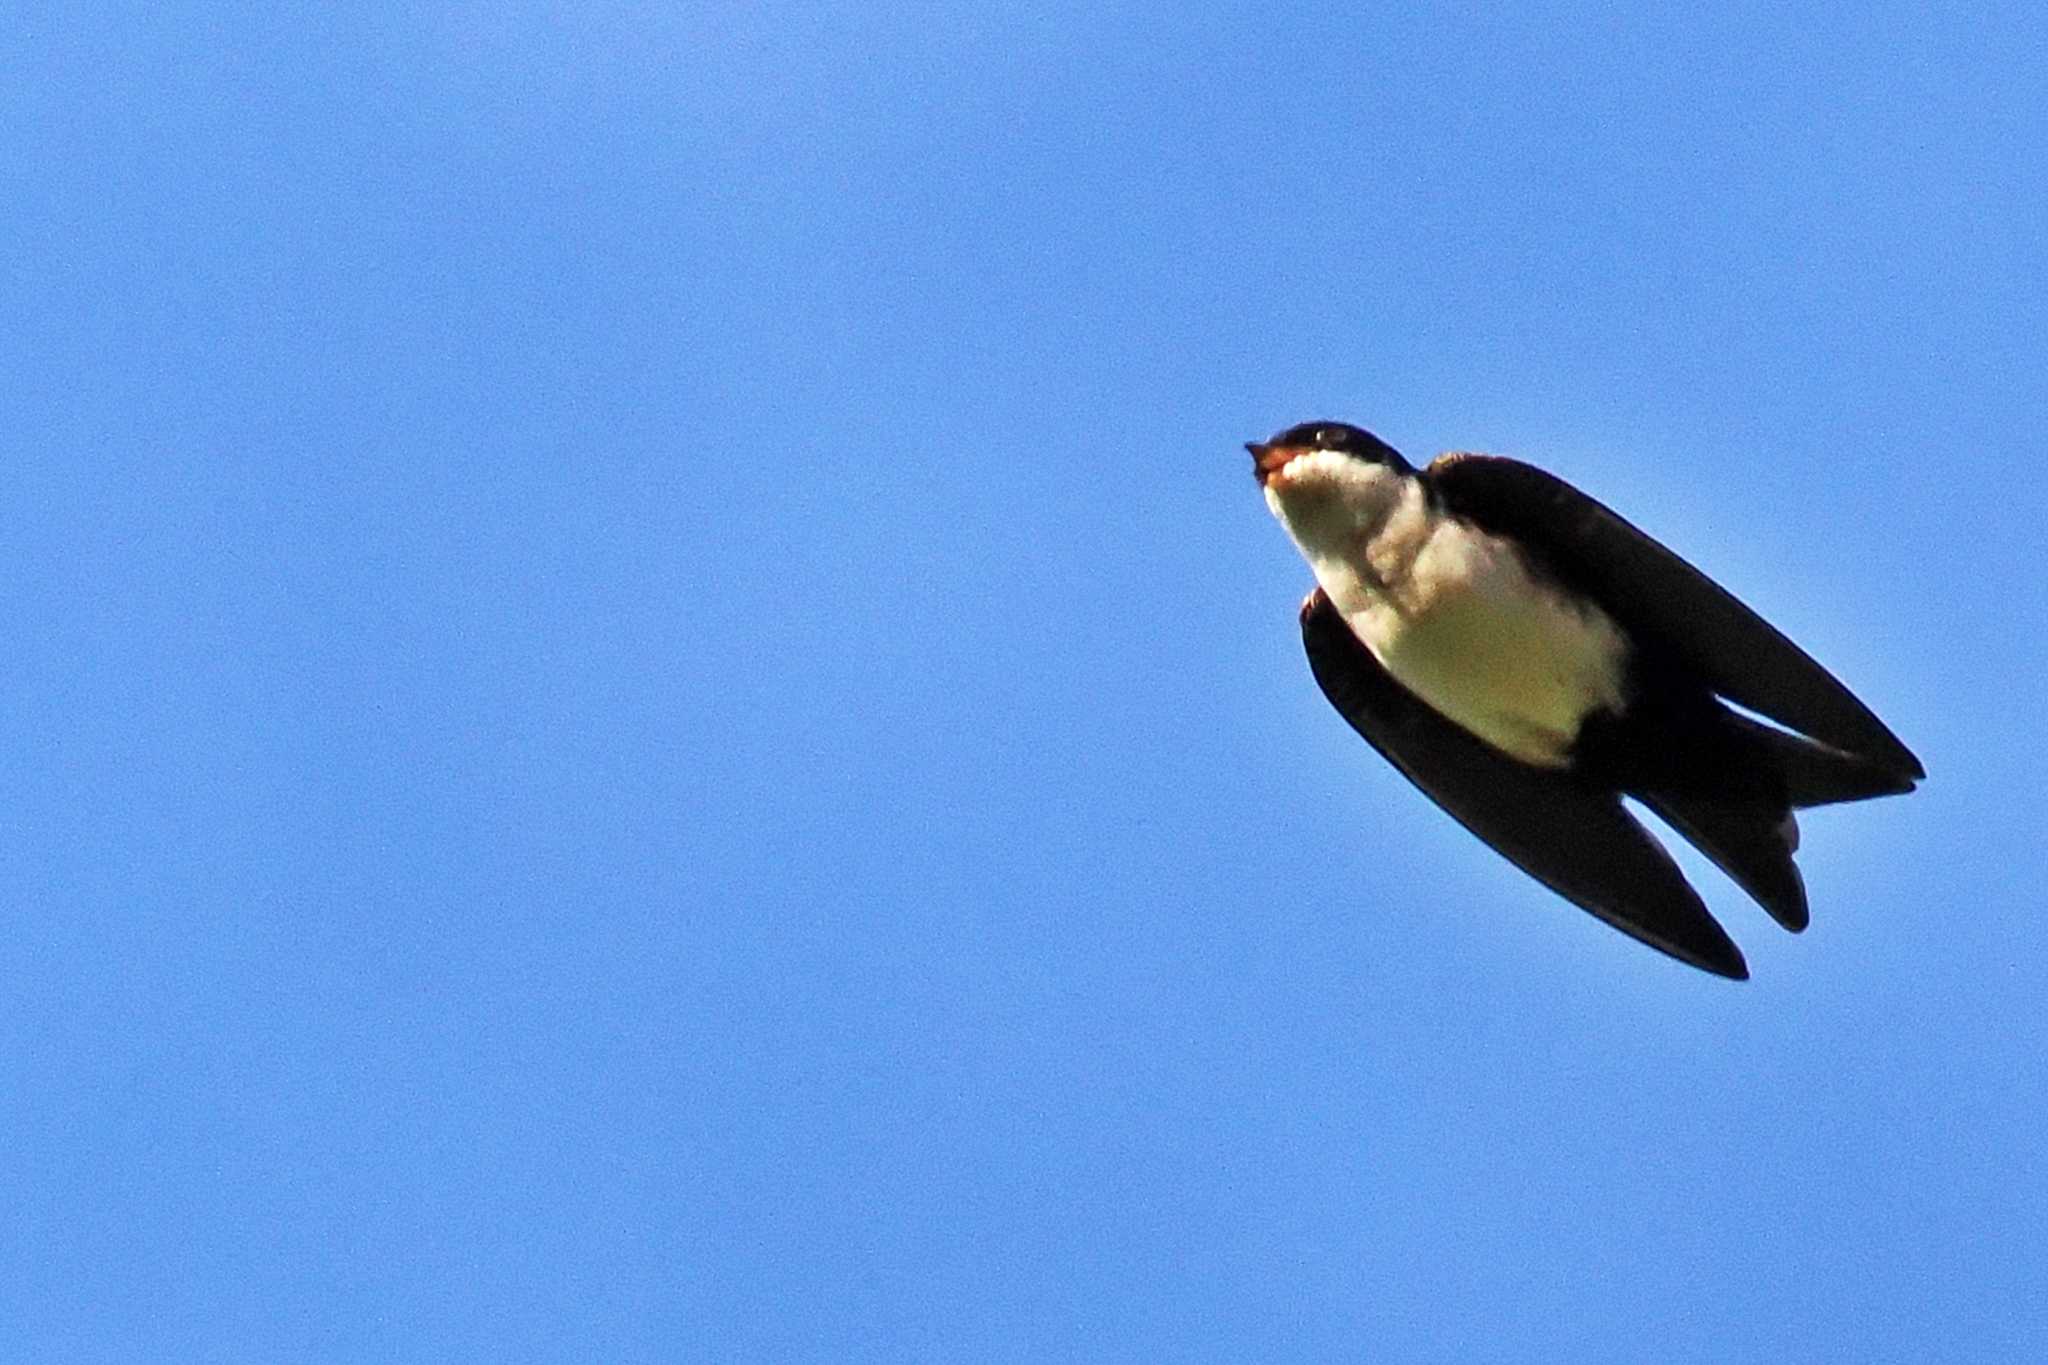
(1268, 458)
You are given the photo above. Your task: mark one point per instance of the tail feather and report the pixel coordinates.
(1751, 842)
(1730, 785)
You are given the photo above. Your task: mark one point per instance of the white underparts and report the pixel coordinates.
(1453, 613)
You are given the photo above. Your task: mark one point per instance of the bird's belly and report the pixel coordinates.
(1512, 662)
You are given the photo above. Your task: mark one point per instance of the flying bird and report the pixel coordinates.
(1528, 658)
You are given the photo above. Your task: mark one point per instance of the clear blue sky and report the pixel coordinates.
(651, 714)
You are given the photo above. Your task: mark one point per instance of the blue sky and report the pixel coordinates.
(652, 715)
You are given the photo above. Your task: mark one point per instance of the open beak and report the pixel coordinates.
(1268, 459)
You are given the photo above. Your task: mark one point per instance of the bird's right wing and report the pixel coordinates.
(1576, 840)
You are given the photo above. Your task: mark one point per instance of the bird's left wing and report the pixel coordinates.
(1656, 594)
(1576, 840)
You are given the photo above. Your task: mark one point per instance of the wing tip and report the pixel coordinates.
(1893, 769)
(1888, 752)
(1722, 959)
(1717, 956)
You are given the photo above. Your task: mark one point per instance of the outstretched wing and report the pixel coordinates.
(1578, 842)
(1656, 595)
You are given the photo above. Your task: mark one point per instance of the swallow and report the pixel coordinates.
(1528, 658)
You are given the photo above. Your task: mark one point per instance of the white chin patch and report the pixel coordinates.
(1325, 473)
(1325, 499)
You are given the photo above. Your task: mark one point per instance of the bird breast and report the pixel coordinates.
(1459, 619)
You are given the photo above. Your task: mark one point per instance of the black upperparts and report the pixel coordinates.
(1339, 436)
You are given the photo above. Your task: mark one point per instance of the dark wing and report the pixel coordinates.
(1654, 593)
(1577, 841)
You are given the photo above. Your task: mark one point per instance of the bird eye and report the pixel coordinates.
(1329, 438)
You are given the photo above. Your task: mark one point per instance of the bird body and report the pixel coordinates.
(1527, 658)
